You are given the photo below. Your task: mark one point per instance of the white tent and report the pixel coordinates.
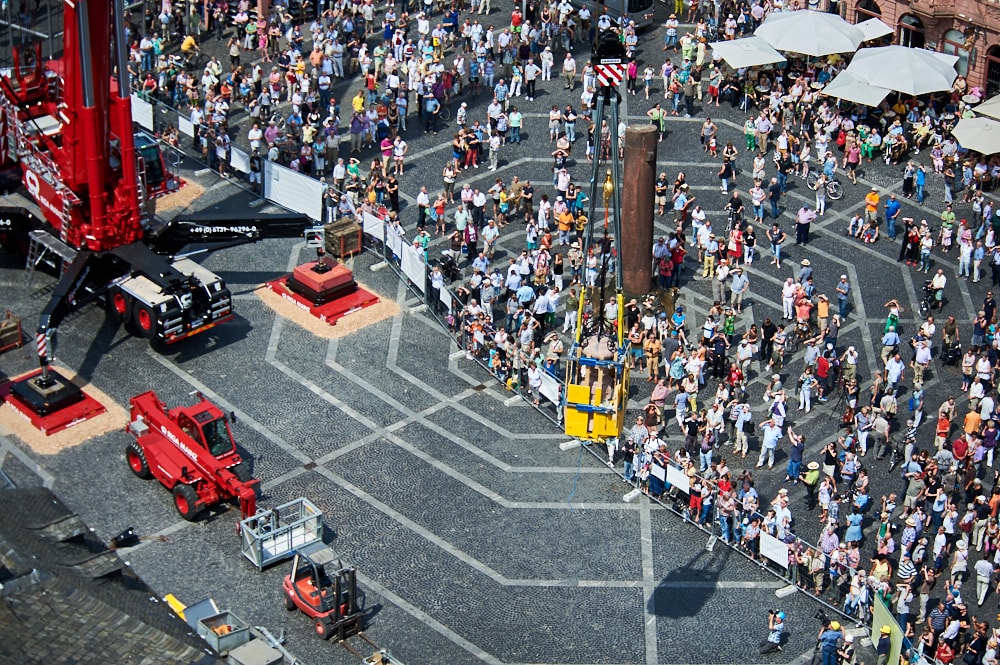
(746, 52)
(989, 108)
(979, 134)
(810, 33)
(912, 71)
(874, 28)
(850, 88)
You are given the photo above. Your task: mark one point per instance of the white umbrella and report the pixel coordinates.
(979, 134)
(989, 108)
(810, 33)
(746, 52)
(874, 28)
(911, 71)
(851, 88)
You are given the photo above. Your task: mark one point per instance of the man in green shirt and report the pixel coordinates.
(810, 479)
(948, 218)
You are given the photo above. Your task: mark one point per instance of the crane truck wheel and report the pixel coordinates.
(323, 629)
(186, 501)
(144, 321)
(136, 457)
(118, 305)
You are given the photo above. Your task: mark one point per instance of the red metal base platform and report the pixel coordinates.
(330, 312)
(57, 420)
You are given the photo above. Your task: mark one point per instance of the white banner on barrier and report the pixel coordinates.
(414, 266)
(550, 388)
(445, 298)
(292, 190)
(773, 549)
(677, 478)
(142, 112)
(394, 241)
(185, 126)
(239, 160)
(373, 226)
(657, 471)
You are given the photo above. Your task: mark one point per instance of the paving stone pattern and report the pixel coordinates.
(454, 506)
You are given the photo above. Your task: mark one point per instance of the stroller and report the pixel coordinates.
(952, 354)
(450, 268)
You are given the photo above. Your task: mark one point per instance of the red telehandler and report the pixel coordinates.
(191, 451)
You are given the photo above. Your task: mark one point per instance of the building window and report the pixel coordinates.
(867, 9)
(911, 32)
(953, 43)
(993, 71)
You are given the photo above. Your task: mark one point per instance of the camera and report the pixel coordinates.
(772, 611)
(822, 617)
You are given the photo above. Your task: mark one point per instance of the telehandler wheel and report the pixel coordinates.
(136, 457)
(242, 472)
(186, 501)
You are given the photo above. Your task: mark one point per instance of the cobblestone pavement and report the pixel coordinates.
(454, 506)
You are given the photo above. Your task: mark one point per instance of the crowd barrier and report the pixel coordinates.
(281, 185)
(446, 304)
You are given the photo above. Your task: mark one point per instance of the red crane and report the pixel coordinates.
(67, 124)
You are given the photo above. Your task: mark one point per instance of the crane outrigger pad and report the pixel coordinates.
(327, 300)
(51, 405)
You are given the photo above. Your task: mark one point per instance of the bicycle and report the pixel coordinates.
(834, 190)
(444, 113)
(278, 119)
(195, 60)
(928, 300)
(797, 336)
(896, 453)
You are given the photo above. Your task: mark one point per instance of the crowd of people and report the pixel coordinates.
(414, 63)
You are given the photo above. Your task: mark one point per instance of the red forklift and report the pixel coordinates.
(325, 590)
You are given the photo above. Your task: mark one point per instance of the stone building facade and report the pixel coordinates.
(969, 29)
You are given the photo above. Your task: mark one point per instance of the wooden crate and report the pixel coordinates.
(343, 239)
(10, 333)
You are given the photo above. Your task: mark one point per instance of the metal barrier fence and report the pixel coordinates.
(785, 555)
(447, 302)
(790, 558)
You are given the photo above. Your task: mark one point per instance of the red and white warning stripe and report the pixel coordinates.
(610, 75)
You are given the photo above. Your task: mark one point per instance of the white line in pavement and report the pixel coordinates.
(649, 581)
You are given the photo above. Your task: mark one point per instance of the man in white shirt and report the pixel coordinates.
(938, 283)
(921, 359)
(788, 299)
(770, 434)
(254, 136)
(894, 369)
(569, 71)
(423, 205)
